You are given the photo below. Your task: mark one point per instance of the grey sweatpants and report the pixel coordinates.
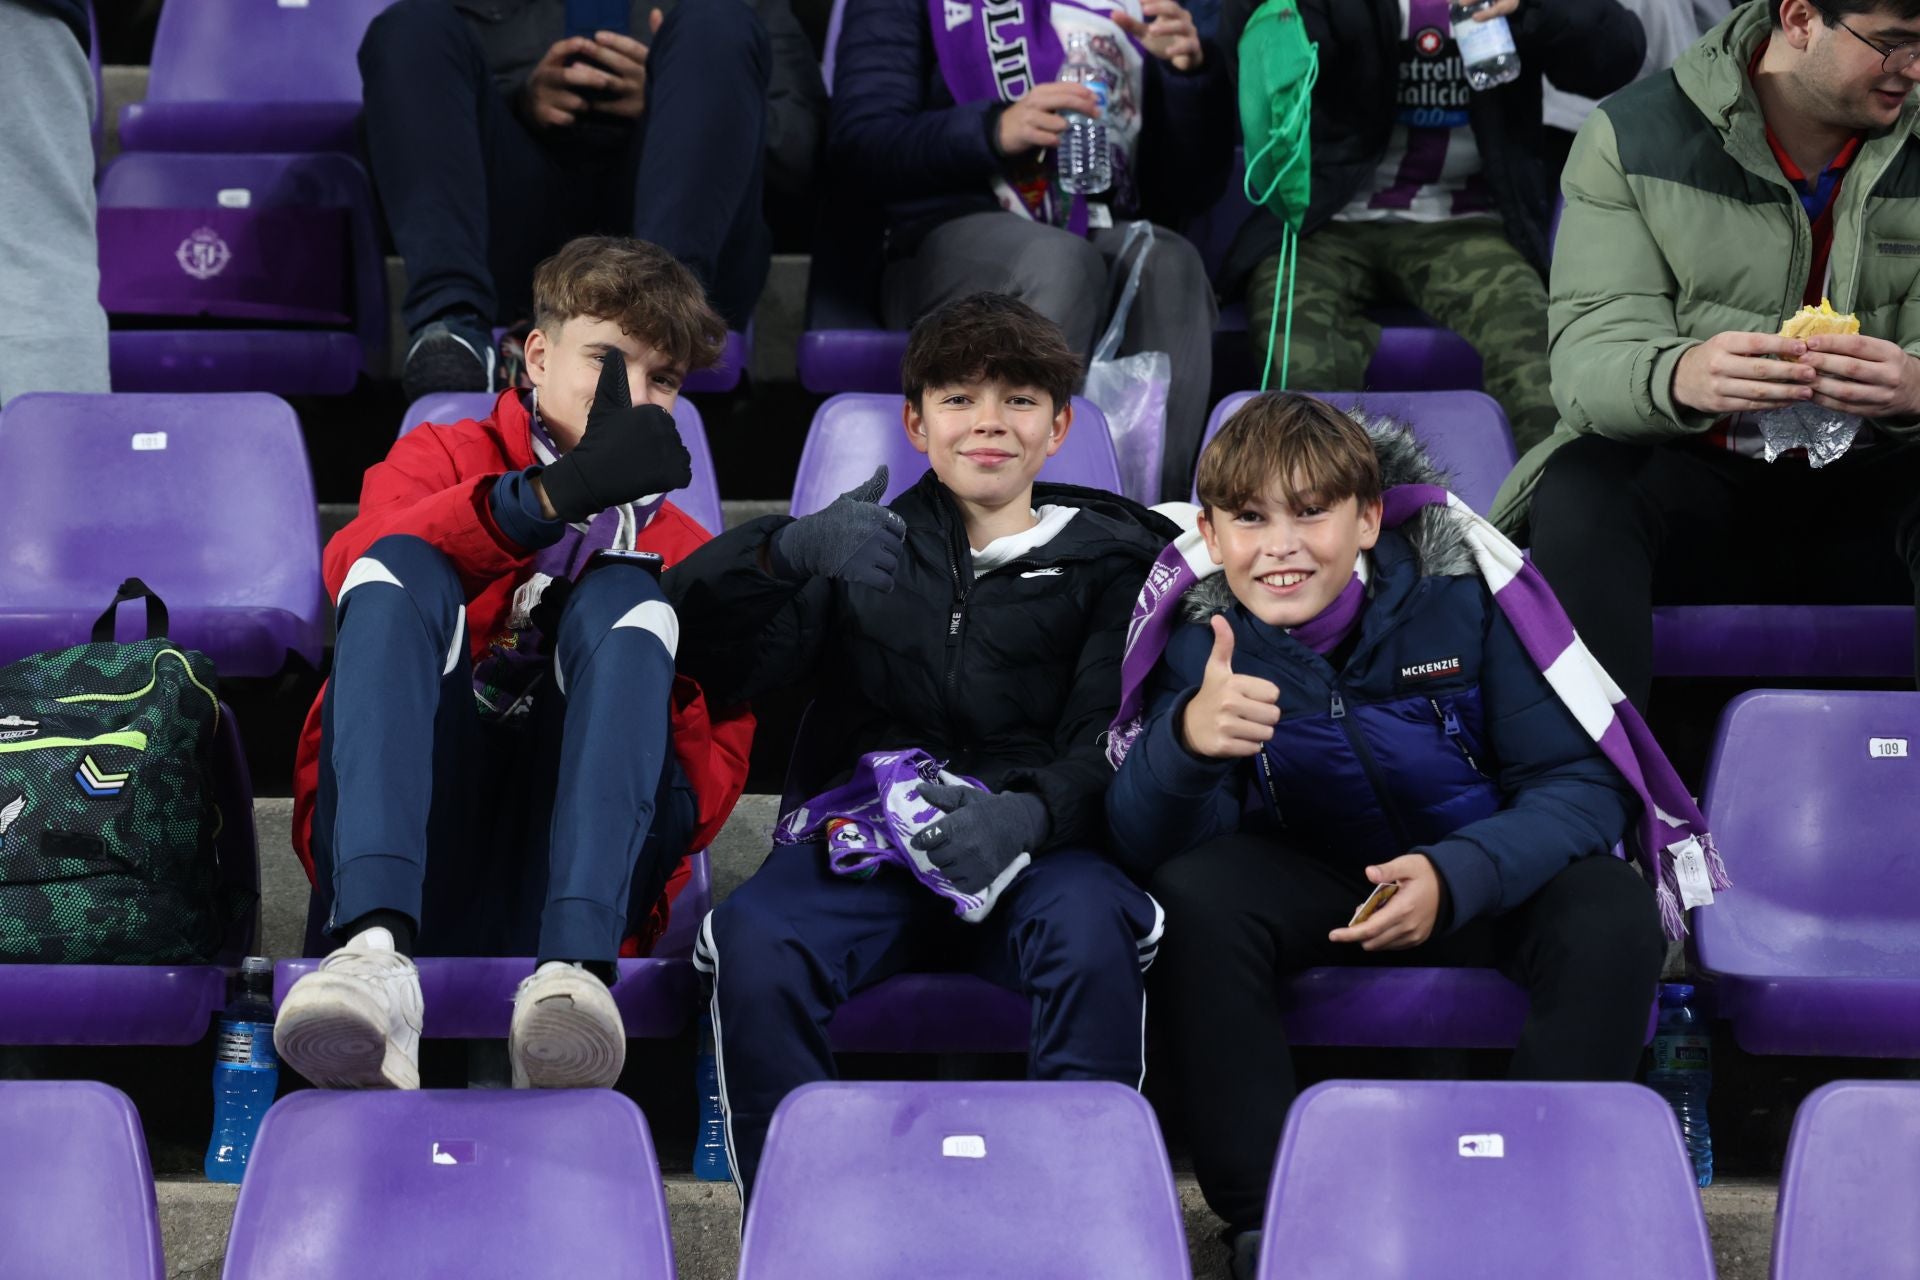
(1073, 282)
(53, 334)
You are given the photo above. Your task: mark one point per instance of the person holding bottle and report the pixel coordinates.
(952, 130)
(1427, 191)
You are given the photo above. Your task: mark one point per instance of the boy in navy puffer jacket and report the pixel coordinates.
(1344, 707)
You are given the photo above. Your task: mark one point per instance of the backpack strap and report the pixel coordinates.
(133, 589)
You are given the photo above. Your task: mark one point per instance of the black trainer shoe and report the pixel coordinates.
(448, 355)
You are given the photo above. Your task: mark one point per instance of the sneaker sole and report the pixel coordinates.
(335, 1034)
(442, 365)
(562, 1043)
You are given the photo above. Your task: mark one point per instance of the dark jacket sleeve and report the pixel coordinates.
(1588, 47)
(1165, 800)
(881, 132)
(796, 101)
(1189, 127)
(744, 632)
(1074, 787)
(1564, 799)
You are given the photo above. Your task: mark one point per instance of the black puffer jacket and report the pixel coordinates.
(1011, 677)
(1588, 47)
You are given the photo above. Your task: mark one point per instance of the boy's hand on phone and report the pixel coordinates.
(1232, 716)
(1409, 917)
(552, 100)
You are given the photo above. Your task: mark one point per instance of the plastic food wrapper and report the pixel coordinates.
(1826, 434)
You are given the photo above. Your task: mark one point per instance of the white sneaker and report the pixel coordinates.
(354, 1023)
(567, 1032)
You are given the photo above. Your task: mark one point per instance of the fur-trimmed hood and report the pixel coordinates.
(1437, 537)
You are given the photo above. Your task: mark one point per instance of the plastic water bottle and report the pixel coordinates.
(1682, 1073)
(246, 1072)
(710, 1153)
(1086, 157)
(1486, 48)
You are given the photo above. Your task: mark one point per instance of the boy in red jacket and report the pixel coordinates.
(503, 762)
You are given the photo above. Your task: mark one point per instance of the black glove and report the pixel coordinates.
(982, 832)
(853, 538)
(626, 454)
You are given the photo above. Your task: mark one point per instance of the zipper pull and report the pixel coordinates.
(1338, 707)
(953, 626)
(1449, 722)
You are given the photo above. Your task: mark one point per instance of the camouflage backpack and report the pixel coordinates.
(107, 820)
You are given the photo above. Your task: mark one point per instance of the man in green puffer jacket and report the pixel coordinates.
(1770, 168)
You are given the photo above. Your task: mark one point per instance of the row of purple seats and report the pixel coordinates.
(701, 499)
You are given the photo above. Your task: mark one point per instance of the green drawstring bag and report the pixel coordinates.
(1278, 68)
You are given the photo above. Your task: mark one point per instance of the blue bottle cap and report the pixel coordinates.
(1676, 992)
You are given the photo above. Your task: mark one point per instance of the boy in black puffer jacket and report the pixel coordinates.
(1344, 706)
(979, 618)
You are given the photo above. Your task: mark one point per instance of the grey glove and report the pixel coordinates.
(853, 539)
(982, 832)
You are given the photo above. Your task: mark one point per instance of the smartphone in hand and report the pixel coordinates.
(1375, 900)
(584, 17)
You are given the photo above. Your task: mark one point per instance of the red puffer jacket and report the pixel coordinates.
(435, 485)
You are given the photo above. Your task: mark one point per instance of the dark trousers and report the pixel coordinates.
(790, 946)
(476, 197)
(1618, 528)
(527, 839)
(1243, 913)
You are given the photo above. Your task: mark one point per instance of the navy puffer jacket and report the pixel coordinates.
(1438, 735)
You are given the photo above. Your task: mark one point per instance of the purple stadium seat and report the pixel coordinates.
(1851, 1181)
(829, 54)
(701, 499)
(76, 1191)
(1017, 1181)
(281, 250)
(46, 1004)
(1464, 431)
(1814, 799)
(256, 76)
(471, 997)
(726, 375)
(853, 434)
(206, 497)
(343, 1186)
(1450, 1180)
(1786, 641)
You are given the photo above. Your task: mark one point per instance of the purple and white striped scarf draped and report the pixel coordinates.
(1671, 827)
(871, 818)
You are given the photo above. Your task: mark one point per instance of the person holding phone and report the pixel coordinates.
(504, 761)
(500, 129)
(1346, 755)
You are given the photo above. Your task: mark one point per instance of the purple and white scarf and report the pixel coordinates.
(1672, 842)
(870, 820)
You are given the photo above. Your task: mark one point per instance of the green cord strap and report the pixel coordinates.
(1290, 258)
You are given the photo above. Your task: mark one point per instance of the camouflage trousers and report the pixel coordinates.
(1464, 273)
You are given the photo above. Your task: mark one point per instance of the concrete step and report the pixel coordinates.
(705, 1217)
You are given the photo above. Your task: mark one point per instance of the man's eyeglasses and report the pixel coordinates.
(1893, 60)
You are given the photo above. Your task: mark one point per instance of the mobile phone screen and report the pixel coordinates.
(584, 17)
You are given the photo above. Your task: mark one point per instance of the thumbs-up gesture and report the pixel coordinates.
(1233, 715)
(628, 453)
(854, 539)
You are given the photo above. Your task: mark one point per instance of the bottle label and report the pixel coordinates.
(1682, 1053)
(1483, 41)
(246, 1045)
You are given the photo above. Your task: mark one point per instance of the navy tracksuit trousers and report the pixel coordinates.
(796, 940)
(528, 838)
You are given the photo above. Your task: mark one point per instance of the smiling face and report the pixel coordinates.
(1287, 561)
(564, 363)
(987, 439)
(1841, 78)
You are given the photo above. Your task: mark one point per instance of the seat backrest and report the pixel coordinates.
(834, 21)
(701, 499)
(943, 1181)
(246, 207)
(206, 497)
(856, 432)
(1464, 432)
(259, 50)
(1573, 1181)
(451, 1182)
(1812, 798)
(1851, 1181)
(76, 1191)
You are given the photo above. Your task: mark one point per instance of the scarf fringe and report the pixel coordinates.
(1716, 870)
(1672, 920)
